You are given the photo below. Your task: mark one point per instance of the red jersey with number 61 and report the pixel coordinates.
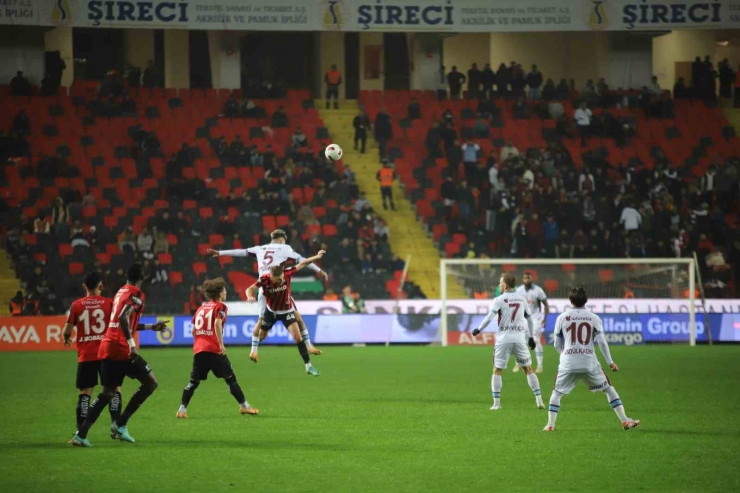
(114, 345)
(278, 298)
(90, 316)
(204, 326)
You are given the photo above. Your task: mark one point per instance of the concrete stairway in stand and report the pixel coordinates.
(408, 236)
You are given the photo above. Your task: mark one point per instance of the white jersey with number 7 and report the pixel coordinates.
(512, 313)
(269, 256)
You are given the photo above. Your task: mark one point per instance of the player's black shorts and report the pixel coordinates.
(87, 374)
(269, 319)
(112, 372)
(206, 362)
(332, 91)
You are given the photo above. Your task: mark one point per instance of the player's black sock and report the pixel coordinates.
(93, 413)
(141, 394)
(115, 407)
(304, 351)
(235, 389)
(83, 406)
(188, 392)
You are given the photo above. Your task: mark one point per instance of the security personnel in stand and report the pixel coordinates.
(385, 176)
(16, 304)
(333, 80)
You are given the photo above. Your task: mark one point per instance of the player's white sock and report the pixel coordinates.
(244, 404)
(182, 409)
(616, 403)
(554, 408)
(308, 365)
(496, 384)
(255, 344)
(538, 352)
(534, 384)
(306, 337)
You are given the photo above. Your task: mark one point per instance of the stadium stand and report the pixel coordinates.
(161, 175)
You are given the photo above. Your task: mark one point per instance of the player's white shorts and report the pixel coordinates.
(262, 303)
(596, 380)
(502, 352)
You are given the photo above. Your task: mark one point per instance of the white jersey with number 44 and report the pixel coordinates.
(535, 296)
(578, 327)
(512, 313)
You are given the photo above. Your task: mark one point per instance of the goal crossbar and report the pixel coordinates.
(688, 262)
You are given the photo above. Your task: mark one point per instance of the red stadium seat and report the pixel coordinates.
(206, 212)
(452, 249)
(172, 239)
(76, 269)
(40, 257)
(606, 275)
(65, 250)
(269, 223)
(282, 221)
(330, 230)
(568, 268)
(175, 278)
(216, 240)
(224, 261)
(200, 268)
(551, 285)
(165, 258)
(508, 267)
(103, 258)
(189, 204)
(460, 238)
(202, 249)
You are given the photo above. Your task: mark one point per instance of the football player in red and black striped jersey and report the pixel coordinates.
(280, 307)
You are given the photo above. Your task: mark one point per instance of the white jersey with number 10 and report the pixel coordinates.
(578, 327)
(512, 318)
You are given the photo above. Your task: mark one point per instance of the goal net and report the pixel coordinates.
(639, 300)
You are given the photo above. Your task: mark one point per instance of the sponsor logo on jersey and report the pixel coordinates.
(136, 300)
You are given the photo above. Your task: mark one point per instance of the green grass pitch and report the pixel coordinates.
(398, 419)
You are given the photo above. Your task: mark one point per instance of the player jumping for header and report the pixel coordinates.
(576, 329)
(121, 359)
(275, 253)
(538, 309)
(280, 306)
(90, 315)
(208, 346)
(513, 320)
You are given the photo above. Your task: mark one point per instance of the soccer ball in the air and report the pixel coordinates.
(333, 152)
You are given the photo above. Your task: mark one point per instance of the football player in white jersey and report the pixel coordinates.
(576, 330)
(274, 253)
(515, 332)
(538, 309)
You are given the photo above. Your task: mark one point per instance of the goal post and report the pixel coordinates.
(642, 288)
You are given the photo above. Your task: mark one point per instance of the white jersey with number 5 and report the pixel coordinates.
(535, 296)
(512, 318)
(269, 256)
(578, 327)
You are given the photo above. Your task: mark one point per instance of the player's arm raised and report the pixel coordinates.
(229, 253)
(310, 260)
(124, 321)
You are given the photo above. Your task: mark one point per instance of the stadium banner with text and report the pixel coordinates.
(32, 333)
(378, 15)
(429, 307)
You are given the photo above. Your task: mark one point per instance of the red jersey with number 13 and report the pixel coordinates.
(204, 326)
(90, 317)
(114, 345)
(278, 298)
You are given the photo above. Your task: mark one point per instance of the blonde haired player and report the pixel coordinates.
(273, 254)
(514, 321)
(538, 309)
(576, 330)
